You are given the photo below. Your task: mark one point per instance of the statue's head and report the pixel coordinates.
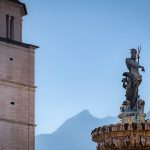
(133, 53)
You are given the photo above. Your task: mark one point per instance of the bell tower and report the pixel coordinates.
(17, 89)
(11, 14)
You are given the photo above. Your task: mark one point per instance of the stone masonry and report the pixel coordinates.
(17, 90)
(135, 136)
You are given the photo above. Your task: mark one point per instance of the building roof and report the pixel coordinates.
(24, 6)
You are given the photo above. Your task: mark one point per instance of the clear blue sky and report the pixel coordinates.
(83, 45)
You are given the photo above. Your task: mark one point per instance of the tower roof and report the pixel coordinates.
(22, 4)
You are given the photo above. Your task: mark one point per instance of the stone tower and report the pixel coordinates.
(17, 88)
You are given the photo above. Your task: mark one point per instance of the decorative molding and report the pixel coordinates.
(17, 43)
(17, 122)
(17, 85)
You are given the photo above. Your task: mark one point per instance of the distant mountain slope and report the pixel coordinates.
(74, 134)
(148, 116)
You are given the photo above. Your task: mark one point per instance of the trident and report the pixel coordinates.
(139, 51)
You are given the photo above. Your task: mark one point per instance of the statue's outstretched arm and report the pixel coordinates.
(132, 63)
(142, 67)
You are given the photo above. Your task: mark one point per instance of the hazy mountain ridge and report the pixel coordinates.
(73, 134)
(147, 116)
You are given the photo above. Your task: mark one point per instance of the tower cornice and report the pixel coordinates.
(22, 4)
(7, 40)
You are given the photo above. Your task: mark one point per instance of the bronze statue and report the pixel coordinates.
(133, 130)
(132, 79)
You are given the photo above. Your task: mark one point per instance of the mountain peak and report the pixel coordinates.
(85, 112)
(78, 129)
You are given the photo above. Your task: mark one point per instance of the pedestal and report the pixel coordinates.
(132, 117)
(132, 133)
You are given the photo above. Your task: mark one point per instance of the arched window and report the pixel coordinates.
(7, 26)
(12, 27)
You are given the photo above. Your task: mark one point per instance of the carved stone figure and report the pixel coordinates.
(132, 79)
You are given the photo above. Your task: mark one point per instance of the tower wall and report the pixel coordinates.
(16, 136)
(16, 97)
(17, 90)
